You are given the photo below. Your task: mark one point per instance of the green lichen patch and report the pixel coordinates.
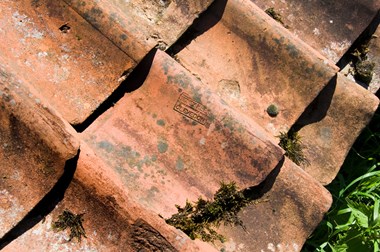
(199, 220)
(72, 221)
(161, 122)
(179, 164)
(291, 143)
(162, 146)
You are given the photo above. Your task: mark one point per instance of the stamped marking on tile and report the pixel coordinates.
(191, 109)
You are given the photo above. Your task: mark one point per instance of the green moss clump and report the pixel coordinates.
(200, 219)
(364, 71)
(275, 15)
(72, 221)
(272, 110)
(363, 68)
(291, 143)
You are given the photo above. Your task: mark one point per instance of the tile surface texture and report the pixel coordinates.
(178, 122)
(328, 26)
(254, 62)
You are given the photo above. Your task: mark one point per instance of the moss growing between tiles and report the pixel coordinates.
(200, 219)
(291, 143)
(73, 221)
(364, 71)
(362, 67)
(275, 15)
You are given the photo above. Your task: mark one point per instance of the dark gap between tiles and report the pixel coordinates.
(317, 109)
(132, 82)
(203, 23)
(363, 37)
(45, 206)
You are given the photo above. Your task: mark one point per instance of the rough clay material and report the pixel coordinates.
(66, 60)
(192, 141)
(328, 26)
(138, 26)
(253, 62)
(177, 132)
(374, 56)
(292, 206)
(331, 124)
(35, 143)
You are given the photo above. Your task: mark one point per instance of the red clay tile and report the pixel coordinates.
(251, 61)
(293, 207)
(172, 136)
(106, 230)
(335, 121)
(63, 57)
(329, 26)
(138, 26)
(109, 188)
(34, 144)
(374, 56)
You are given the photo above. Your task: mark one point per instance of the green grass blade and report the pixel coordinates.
(367, 175)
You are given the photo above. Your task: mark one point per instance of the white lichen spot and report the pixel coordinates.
(295, 247)
(279, 247)
(28, 63)
(316, 32)
(110, 236)
(230, 246)
(271, 247)
(37, 231)
(335, 49)
(60, 74)
(181, 239)
(241, 246)
(65, 48)
(271, 128)
(10, 210)
(42, 54)
(202, 141)
(26, 26)
(224, 145)
(291, 18)
(65, 57)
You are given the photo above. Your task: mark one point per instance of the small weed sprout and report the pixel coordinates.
(200, 219)
(291, 143)
(72, 221)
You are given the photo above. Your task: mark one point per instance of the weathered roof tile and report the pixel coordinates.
(251, 61)
(35, 143)
(172, 134)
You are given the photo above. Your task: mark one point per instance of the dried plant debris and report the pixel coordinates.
(199, 220)
(73, 221)
(276, 16)
(291, 143)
